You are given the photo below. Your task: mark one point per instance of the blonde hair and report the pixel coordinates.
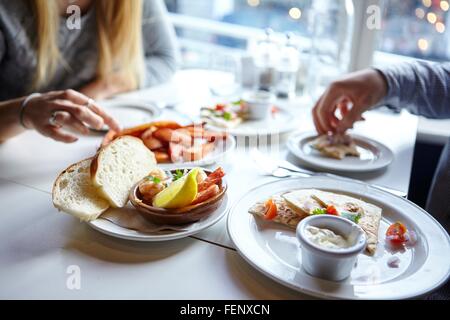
(119, 37)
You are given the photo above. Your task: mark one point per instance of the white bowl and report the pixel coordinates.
(258, 104)
(329, 263)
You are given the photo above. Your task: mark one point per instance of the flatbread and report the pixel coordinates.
(285, 214)
(303, 200)
(336, 146)
(296, 205)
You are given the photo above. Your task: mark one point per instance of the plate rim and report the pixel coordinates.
(296, 138)
(169, 237)
(150, 107)
(322, 294)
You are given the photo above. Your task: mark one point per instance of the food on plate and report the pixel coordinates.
(224, 115)
(326, 238)
(398, 235)
(171, 142)
(74, 193)
(118, 166)
(230, 115)
(179, 193)
(180, 189)
(88, 188)
(336, 146)
(292, 207)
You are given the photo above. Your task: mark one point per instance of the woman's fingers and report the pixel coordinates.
(57, 134)
(81, 99)
(65, 119)
(80, 112)
(110, 121)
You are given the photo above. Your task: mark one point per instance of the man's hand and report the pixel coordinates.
(352, 96)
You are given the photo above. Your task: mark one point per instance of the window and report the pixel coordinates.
(416, 28)
(212, 31)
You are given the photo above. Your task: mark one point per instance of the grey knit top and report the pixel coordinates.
(78, 48)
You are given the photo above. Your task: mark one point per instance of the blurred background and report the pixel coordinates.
(409, 28)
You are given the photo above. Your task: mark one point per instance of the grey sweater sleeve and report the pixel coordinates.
(423, 88)
(159, 41)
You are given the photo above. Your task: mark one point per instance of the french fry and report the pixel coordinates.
(150, 141)
(162, 156)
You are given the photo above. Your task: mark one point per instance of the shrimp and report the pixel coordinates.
(213, 178)
(149, 189)
(206, 194)
(154, 184)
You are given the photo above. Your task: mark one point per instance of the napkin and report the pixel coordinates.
(129, 218)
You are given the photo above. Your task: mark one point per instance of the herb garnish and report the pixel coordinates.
(351, 216)
(319, 211)
(153, 179)
(227, 116)
(177, 175)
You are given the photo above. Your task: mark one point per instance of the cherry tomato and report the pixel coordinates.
(396, 233)
(271, 210)
(220, 107)
(275, 109)
(332, 210)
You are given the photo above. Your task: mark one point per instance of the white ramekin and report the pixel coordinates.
(327, 263)
(258, 104)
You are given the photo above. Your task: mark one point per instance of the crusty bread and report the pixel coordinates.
(118, 166)
(74, 193)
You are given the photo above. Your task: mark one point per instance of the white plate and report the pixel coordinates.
(281, 122)
(374, 155)
(221, 150)
(130, 113)
(111, 229)
(274, 250)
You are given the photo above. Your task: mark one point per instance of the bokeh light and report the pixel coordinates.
(423, 44)
(295, 13)
(440, 27)
(253, 3)
(431, 17)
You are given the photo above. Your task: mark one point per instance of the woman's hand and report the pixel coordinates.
(102, 89)
(352, 96)
(68, 109)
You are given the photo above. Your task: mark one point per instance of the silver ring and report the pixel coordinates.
(89, 103)
(52, 120)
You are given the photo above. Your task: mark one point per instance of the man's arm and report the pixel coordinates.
(423, 88)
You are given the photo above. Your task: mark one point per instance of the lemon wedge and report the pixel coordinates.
(179, 193)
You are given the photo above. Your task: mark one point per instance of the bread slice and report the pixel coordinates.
(118, 166)
(74, 193)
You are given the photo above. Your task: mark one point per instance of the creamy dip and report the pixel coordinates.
(326, 238)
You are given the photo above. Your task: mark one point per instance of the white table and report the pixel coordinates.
(38, 244)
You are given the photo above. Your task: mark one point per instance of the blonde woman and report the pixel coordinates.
(50, 72)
